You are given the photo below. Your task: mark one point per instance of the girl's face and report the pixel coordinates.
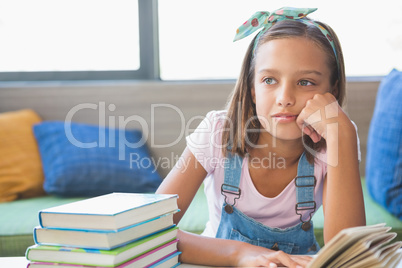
(288, 72)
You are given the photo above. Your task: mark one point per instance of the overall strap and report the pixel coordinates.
(233, 167)
(305, 184)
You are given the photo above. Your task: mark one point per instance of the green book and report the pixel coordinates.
(94, 257)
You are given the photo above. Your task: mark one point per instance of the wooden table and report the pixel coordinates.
(22, 262)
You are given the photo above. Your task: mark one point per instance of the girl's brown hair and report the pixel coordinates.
(241, 129)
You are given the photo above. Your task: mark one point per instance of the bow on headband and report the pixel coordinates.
(266, 20)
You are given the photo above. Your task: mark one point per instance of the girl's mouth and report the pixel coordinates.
(284, 118)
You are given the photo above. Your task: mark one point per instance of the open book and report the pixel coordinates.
(364, 246)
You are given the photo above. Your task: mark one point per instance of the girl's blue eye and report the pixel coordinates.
(305, 83)
(269, 81)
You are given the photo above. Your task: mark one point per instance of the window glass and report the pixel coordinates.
(68, 35)
(196, 36)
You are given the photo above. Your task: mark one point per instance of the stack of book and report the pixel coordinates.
(115, 230)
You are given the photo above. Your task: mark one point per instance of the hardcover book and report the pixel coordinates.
(108, 212)
(154, 258)
(101, 239)
(106, 258)
(169, 261)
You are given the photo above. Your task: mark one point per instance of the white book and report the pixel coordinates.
(108, 212)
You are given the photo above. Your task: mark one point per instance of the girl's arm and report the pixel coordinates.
(208, 251)
(184, 180)
(342, 196)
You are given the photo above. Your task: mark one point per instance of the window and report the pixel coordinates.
(73, 39)
(196, 36)
(173, 39)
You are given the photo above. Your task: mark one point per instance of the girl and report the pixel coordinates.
(271, 159)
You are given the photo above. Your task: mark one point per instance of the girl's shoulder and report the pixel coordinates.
(218, 115)
(205, 142)
(215, 119)
(208, 130)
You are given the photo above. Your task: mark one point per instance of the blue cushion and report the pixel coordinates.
(384, 146)
(88, 160)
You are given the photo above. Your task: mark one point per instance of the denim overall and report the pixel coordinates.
(235, 225)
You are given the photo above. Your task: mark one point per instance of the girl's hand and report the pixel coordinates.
(319, 112)
(267, 258)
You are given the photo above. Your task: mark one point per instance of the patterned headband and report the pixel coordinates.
(266, 20)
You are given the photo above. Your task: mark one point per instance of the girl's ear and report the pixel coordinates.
(335, 90)
(253, 94)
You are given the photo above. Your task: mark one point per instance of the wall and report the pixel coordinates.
(162, 105)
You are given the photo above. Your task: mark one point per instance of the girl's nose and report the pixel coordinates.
(285, 97)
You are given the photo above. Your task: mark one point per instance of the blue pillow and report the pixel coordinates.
(384, 146)
(88, 160)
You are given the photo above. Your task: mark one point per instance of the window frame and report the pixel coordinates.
(149, 60)
(149, 56)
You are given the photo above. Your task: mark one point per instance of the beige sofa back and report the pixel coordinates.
(165, 111)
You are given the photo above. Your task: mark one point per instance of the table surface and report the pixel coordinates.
(22, 262)
(17, 262)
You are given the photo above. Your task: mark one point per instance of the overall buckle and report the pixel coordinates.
(308, 185)
(307, 205)
(236, 191)
(311, 205)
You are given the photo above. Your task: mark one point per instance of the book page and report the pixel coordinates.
(342, 241)
(373, 248)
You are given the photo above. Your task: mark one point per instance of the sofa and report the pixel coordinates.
(170, 111)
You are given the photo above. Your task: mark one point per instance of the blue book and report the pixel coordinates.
(108, 212)
(102, 239)
(169, 261)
